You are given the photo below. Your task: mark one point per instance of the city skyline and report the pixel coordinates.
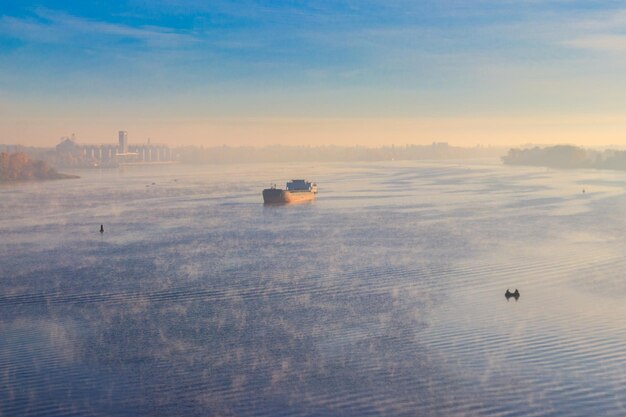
(257, 73)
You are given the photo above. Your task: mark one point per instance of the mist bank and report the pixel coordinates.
(282, 153)
(567, 157)
(19, 167)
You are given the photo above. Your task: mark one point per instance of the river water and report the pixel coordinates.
(383, 297)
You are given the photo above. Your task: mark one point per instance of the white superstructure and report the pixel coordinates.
(301, 185)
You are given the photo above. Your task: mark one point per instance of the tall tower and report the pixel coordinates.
(123, 145)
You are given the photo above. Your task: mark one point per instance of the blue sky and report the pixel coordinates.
(260, 72)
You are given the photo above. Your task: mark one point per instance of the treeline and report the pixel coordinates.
(19, 167)
(567, 157)
(281, 153)
(50, 156)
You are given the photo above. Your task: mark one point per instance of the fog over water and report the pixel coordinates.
(383, 297)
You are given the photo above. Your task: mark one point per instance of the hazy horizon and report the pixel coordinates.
(371, 73)
(110, 137)
(173, 144)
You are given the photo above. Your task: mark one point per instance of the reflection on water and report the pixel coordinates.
(383, 297)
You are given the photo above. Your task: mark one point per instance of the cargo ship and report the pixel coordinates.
(297, 191)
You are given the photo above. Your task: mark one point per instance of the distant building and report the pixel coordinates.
(123, 142)
(69, 153)
(68, 146)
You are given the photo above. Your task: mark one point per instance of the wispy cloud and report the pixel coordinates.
(603, 31)
(610, 43)
(53, 27)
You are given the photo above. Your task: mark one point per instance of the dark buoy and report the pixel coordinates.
(101, 228)
(583, 191)
(508, 294)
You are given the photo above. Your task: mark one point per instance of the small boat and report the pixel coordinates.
(296, 191)
(508, 294)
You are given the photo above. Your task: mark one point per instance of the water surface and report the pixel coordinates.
(383, 297)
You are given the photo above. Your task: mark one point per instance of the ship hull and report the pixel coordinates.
(276, 196)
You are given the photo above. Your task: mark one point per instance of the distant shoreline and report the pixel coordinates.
(567, 157)
(61, 158)
(125, 164)
(58, 177)
(35, 180)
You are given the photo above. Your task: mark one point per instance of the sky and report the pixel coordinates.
(369, 72)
